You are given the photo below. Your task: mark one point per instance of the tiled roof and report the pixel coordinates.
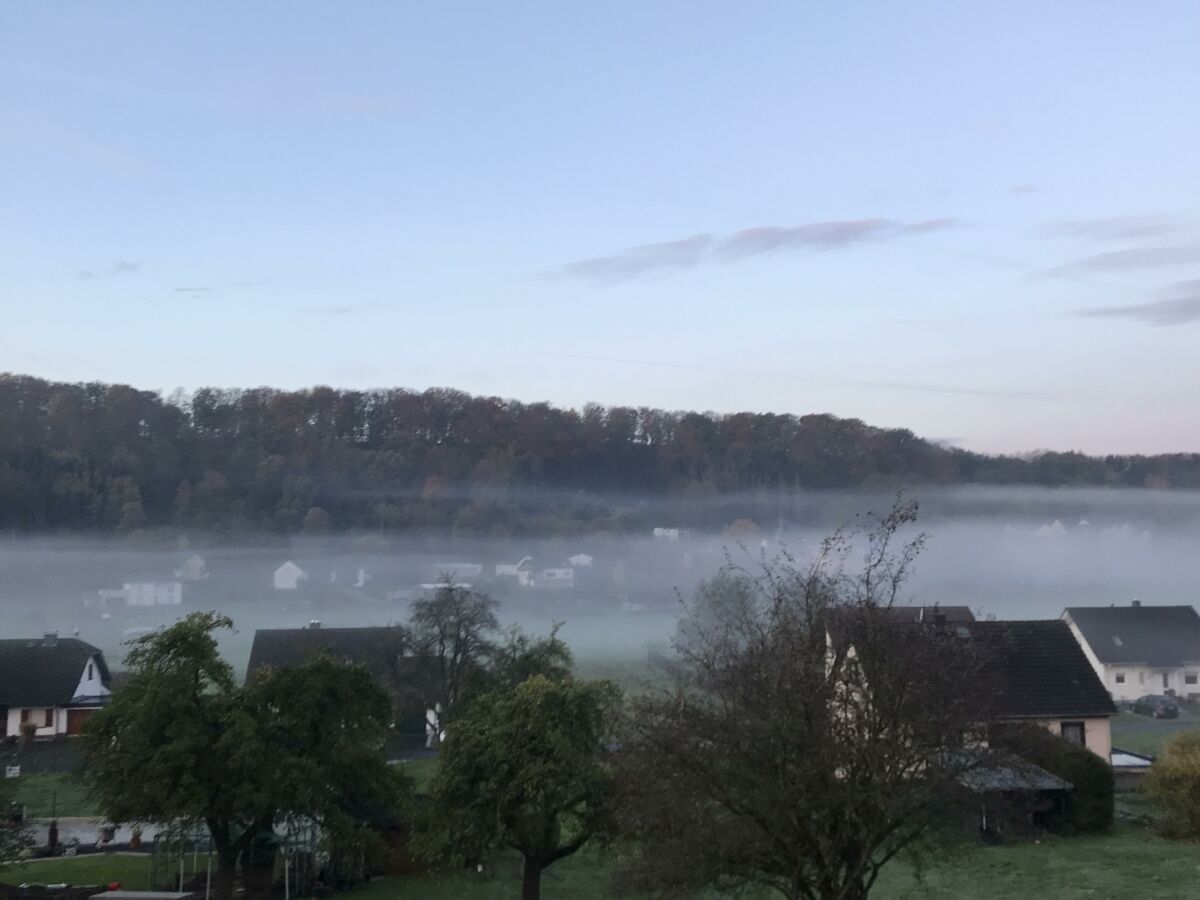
(44, 671)
(1160, 636)
(373, 647)
(1038, 670)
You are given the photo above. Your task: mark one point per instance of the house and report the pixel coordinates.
(1137, 650)
(50, 686)
(383, 650)
(141, 593)
(666, 534)
(513, 570)
(194, 568)
(1031, 671)
(581, 560)
(1041, 676)
(289, 577)
(556, 578)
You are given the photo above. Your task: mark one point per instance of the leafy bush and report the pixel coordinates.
(1174, 784)
(1090, 809)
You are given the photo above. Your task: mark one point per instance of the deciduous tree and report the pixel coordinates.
(803, 739)
(182, 741)
(524, 769)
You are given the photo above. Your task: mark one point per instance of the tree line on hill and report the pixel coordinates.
(795, 742)
(100, 457)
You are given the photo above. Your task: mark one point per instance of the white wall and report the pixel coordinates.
(37, 714)
(93, 686)
(1142, 680)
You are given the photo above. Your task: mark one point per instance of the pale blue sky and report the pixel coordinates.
(895, 211)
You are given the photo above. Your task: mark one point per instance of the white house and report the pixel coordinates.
(513, 570)
(581, 560)
(49, 686)
(1137, 650)
(289, 577)
(194, 568)
(666, 534)
(556, 578)
(142, 593)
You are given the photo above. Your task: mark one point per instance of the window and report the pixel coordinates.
(1120, 678)
(48, 720)
(1073, 732)
(1189, 678)
(91, 671)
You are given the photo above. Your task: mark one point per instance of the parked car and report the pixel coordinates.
(1156, 706)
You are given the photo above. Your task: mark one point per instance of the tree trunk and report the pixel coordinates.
(531, 879)
(224, 874)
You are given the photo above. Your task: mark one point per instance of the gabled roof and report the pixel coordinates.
(1159, 636)
(1038, 670)
(376, 648)
(45, 671)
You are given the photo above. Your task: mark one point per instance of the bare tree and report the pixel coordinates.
(454, 633)
(807, 736)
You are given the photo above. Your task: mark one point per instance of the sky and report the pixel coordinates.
(980, 221)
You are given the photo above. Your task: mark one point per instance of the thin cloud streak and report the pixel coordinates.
(644, 260)
(915, 387)
(1129, 260)
(699, 249)
(120, 267)
(1115, 228)
(1180, 307)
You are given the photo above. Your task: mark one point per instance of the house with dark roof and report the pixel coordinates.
(1032, 672)
(50, 686)
(382, 650)
(1038, 674)
(1137, 650)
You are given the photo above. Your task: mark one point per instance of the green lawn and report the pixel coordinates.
(421, 771)
(1141, 734)
(132, 872)
(1130, 863)
(51, 794)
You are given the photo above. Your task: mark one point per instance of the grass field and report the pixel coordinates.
(51, 795)
(1142, 734)
(1129, 863)
(133, 872)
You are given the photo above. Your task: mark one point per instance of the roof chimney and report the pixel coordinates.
(314, 623)
(50, 639)
(1137, 602)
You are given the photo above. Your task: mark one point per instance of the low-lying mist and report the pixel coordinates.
(1008, 553)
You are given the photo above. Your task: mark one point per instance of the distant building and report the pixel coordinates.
(289, 577)
(50, 686)
(141, 593)
(666, 534)
(581, 560)
(194, 568)
(556, 578)
(513, 570)
(1138, 650)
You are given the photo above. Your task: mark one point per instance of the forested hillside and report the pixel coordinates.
(98, 457)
